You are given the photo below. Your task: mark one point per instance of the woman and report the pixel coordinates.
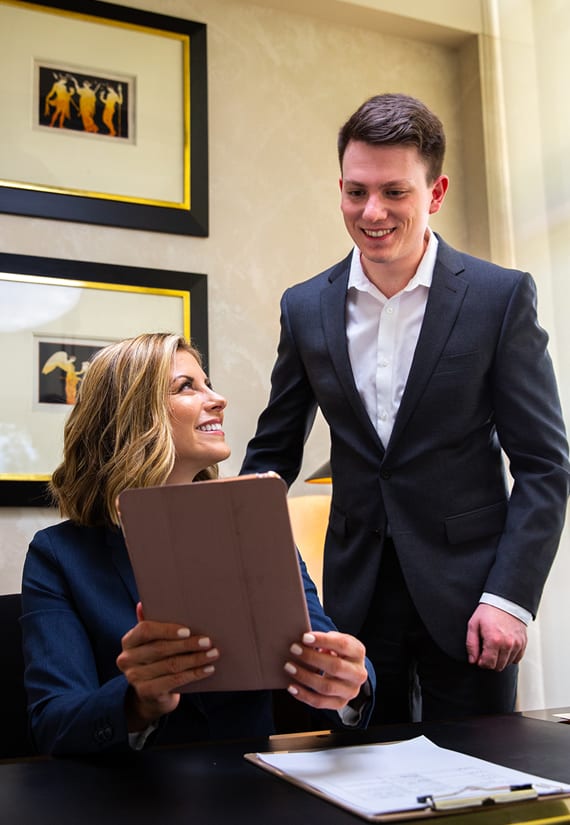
(99, 676)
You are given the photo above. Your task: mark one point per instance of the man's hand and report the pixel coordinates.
(495, 639)
(328, 669)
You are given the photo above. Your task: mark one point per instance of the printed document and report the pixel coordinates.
(385, 778)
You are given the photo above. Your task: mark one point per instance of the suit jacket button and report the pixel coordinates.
(385, 474)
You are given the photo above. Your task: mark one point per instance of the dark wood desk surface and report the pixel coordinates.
(549, 714)
(212, 783)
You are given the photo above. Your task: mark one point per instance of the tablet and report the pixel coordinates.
(219, 557)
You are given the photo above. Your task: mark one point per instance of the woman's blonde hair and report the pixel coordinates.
(118, 433)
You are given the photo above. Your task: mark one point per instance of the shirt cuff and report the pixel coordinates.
(138, 739)
(509, 607)
(351, 714)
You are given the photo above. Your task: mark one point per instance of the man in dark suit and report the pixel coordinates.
(427, 364)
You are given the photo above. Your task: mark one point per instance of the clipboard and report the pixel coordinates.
(537, 800)
(219, 557)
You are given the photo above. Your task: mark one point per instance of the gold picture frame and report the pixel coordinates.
(53, 315)
(105, 115)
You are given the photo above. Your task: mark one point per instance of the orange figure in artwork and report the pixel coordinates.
(87, 103)
(59, 99)
(110, 98)
(65, 362)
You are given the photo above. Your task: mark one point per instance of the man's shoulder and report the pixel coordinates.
(460, 262)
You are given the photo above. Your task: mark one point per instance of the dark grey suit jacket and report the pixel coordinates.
(481, 382)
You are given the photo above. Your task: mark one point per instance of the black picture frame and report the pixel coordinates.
(188, 216)
(28, 488)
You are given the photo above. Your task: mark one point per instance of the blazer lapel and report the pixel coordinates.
(444, 302)
(122, 562)
(333, 307)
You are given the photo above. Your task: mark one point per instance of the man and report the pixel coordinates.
(426, 364)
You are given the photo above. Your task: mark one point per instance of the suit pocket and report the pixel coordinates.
(460, 363)
(477, 524)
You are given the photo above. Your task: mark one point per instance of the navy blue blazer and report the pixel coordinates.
(79, 597)
(481, 381)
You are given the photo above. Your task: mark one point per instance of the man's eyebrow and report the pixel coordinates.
(384, 184)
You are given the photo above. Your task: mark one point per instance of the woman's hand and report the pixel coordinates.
(157, 658)
(327, 668)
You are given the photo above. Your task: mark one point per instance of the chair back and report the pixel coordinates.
(14, 738)
(309, 520)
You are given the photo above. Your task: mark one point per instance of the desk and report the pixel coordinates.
(549, 714)
(211, 783)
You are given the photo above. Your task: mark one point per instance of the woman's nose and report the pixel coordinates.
(218, 401)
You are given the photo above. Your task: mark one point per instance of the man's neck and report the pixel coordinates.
(391, 278)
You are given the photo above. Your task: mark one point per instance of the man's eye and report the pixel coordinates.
(355, 193)
(395, 193)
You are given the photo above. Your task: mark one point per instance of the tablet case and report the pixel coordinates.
(219, 557)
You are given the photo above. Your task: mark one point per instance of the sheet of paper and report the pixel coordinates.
(379, 779)
(565, 716)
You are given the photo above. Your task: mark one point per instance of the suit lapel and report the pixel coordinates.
(444, 302)
(122, 562)
(333, 307)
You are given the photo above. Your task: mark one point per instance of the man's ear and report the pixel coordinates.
(438, 191)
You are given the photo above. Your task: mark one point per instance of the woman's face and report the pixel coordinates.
(196, 415)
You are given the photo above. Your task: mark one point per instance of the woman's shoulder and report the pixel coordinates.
(69, 534)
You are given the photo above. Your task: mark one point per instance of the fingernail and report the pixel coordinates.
(183, 632)
(290, 668)
(205, 642)
(308, 638)
(296, 649)
(212, 653)
(208, 669)
(292, 689)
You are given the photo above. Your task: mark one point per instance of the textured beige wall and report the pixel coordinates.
(280, 85)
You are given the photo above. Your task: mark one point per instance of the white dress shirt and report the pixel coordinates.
(382, 334)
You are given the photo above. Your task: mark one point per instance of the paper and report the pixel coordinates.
(565, 716)
(382, 779)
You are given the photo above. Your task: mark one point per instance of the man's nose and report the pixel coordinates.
(375, 209)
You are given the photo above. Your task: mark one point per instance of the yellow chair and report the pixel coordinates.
(309, 518)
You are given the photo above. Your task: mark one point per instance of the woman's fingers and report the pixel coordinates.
(327, 669)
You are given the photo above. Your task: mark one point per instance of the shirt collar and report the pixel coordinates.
(423, 275)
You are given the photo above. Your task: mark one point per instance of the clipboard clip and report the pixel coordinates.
(488, 796)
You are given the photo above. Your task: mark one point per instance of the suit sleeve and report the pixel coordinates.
(531, 431)
(286, 422)
(70, 710)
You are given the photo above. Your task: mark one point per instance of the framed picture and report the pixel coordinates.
(54, 315)
(105, 115)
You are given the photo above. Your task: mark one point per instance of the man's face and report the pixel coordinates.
(386, 202)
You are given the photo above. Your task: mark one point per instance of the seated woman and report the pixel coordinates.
(99, 676)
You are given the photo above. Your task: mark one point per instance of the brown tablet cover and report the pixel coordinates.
(219, 557)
